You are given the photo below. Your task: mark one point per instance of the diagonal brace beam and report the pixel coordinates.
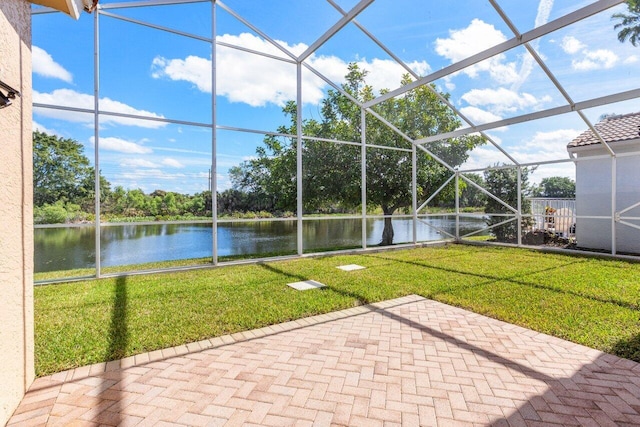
(362, 5)
(538, 32)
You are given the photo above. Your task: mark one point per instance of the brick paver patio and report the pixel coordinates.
(408, 361)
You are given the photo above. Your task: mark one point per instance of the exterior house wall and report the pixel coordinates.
(16, 246)
(593, 198)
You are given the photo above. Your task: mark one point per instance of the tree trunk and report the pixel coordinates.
(387, 232)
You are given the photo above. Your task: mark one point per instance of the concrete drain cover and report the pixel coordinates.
(351, 267)
(306, 285)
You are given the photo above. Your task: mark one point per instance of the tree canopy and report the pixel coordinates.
(629, 23)
(556, 187)
(64, 189)
(332, 171)
(61, 171)
(503, 183)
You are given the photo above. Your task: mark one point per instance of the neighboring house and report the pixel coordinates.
(608, 184)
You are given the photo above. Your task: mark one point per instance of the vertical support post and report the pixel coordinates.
(414, 192)
(299, 154)
(363, 174)
(213, 178)
(96, 134)
(614, 184)
(519, 214)
(457, 183)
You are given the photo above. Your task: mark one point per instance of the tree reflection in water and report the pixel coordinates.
(58, 249)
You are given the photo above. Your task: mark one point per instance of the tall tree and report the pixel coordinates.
(629, 24)
(503, 183)
(331, 171)
(60, 170)
(556, 187)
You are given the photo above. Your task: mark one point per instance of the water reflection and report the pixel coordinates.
(71, 248)
(64, 248)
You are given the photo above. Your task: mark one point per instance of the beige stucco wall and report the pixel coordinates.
(16, 243)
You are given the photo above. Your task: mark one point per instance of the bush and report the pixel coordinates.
(60, 213)
(50, 214)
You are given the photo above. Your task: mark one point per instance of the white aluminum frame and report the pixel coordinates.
(418, 147)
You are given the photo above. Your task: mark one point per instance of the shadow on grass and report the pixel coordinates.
(278, 271)
(629, 348)
(118, 341)
(118, 331)
(516, 279)
(361, 300)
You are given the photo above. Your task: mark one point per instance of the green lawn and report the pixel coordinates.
(590, 301)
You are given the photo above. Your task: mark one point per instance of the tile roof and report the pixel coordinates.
(612, 129)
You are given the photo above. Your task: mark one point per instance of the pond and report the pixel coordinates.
(68, 248)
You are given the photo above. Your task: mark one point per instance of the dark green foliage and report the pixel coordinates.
(503, 183)
(331, 176)
(61, 172)
(471, 196)
(629, 23)
(64, 189)
(556, 187)
(234, 201)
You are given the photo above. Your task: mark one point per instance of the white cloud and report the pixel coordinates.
(542, 17)
(483, 157)
(121, 146)
(545, 146)
(595, 59)
(475, 38)
(544, 10)
(275, 81)
(547, 171)
(142, 174)
(44, 65)
(503, 100)
(572, 45)
(631, 59)
(586, 59)
(35, 126)
(449, 84)
(479, 116)
(541, 146)
(137, 163)
(172, 163)
(550, 145)
(183, 150)
(386, 74)
(71, 98)
(466, 42)
(192, 69)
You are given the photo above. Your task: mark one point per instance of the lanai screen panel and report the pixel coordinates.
(213, 115)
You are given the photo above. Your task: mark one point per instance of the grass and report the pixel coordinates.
(594, 302)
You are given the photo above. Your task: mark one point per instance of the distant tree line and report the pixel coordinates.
(64, 192)
(64, 182)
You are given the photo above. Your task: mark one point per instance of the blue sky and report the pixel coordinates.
(153, 73)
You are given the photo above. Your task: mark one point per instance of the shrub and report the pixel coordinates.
(50, 214)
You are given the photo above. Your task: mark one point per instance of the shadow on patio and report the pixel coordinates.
(409, 361)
